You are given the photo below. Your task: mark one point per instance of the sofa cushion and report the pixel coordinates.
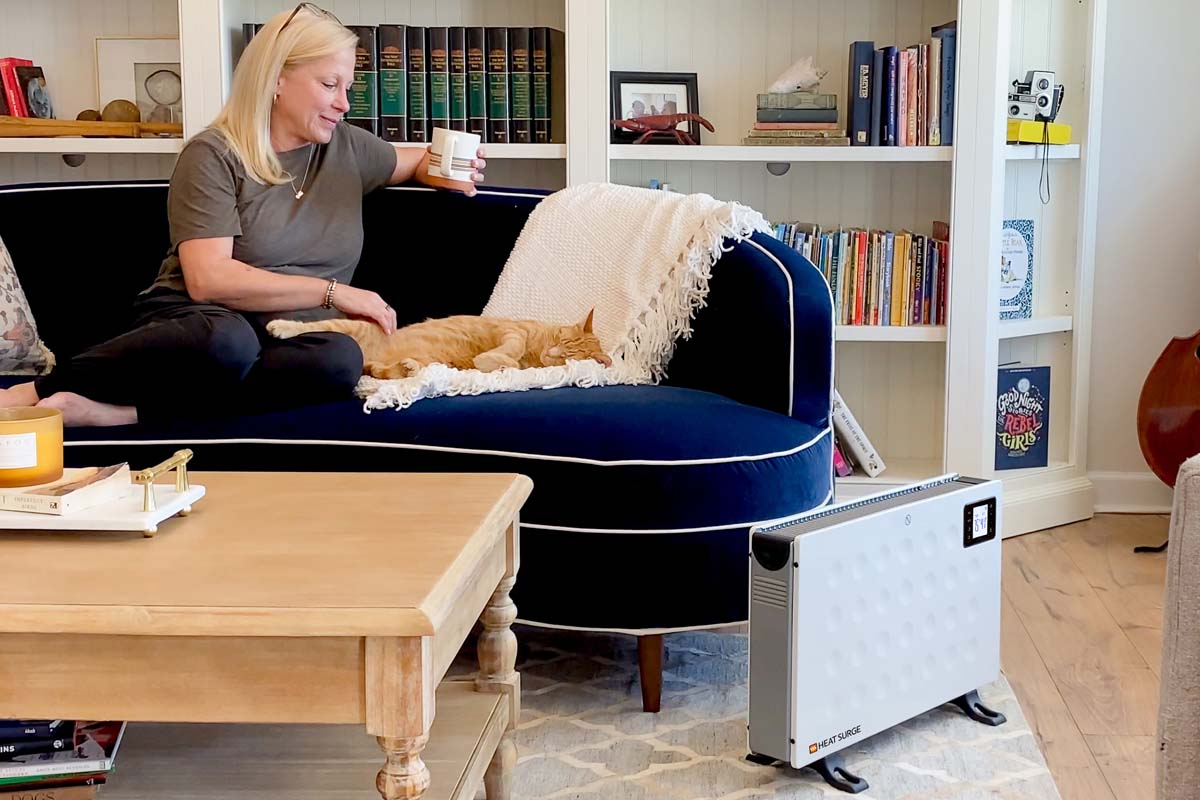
(617, 457)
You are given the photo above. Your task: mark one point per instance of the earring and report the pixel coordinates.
(277, 97)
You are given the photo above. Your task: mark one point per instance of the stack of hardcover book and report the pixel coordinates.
(797, 118)
(56, 759)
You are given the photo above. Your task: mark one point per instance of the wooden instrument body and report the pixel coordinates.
(1168, 415)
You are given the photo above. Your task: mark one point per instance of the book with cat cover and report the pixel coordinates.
(77, 489)
(458, 78)
(364, 91)
(393, 84)
(32, 82)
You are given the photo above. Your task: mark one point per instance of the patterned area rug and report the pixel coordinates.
(583, 734)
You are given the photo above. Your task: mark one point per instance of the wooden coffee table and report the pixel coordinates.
(286, 598)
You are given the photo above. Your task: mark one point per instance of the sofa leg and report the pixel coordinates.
(650, 657)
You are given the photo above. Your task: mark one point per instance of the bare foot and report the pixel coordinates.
(79, 411)
(23, 394)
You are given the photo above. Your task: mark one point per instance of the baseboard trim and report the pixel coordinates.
(1048, 506)
(1131, 493)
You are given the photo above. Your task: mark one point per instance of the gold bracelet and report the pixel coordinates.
(329, 293)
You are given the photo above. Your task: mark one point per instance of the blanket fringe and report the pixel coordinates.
(439, 380)
(668, 318)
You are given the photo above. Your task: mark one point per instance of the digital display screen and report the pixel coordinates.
(979, 522)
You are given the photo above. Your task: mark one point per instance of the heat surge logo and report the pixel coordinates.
(837, 737)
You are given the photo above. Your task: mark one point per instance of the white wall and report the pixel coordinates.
(1147, 287)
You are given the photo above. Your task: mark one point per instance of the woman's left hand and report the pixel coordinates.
(445, 183)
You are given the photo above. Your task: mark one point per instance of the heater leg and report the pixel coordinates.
(974, 708)
(833, 769)
(761, 760)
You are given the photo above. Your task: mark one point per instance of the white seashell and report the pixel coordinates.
(801, 76)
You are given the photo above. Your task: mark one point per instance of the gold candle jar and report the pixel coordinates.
(31, 446)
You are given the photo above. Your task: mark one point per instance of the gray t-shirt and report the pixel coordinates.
(321, 234)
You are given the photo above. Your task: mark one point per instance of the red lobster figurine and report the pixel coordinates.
(662, 124)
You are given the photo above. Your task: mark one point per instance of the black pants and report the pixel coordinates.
(188, 359)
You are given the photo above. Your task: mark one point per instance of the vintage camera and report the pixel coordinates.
(1038, 97)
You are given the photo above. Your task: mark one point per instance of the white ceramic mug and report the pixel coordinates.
(453, 154)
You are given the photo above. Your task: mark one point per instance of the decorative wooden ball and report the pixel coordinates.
(121, 111)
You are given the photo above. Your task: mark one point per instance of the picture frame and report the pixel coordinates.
(144, 70)
(646, 93)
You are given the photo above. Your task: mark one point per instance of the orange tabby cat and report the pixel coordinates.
(463, 342)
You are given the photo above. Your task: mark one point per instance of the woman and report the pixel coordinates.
(265, 211)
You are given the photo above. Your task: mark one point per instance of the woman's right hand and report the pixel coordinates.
(361, 304)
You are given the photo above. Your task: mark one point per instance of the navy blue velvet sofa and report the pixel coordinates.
(642, 495)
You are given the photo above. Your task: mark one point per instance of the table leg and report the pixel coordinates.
(400, 700)
(404, 776)
(497, 653)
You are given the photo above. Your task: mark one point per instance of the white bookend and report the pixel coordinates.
(855, 438)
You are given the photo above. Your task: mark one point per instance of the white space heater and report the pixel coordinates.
(867, 613)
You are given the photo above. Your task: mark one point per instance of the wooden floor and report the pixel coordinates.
(1082, 634)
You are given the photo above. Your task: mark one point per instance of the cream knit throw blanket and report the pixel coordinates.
(641, 257)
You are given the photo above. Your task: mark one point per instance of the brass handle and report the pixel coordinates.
(146, 477)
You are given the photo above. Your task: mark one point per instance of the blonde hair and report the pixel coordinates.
(245, 120)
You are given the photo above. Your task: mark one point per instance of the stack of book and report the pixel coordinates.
(507, 84)
(903, 96)
(877, 277)
(797, 118)
(56, 759)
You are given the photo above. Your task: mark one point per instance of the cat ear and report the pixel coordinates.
(587, 324)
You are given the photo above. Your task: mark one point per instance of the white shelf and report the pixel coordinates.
(528, 151)
(1033, 152)
(78, 144)
(1012, 329)
(798, 153)
(891, 333)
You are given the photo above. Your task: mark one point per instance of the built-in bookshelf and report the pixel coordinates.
(925, 394)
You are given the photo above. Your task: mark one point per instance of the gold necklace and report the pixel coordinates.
(300, 192)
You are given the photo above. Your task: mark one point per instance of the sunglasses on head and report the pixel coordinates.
(314, 8)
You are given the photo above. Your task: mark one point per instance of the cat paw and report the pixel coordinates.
(283, 328)
(490, 362)
(412, 365)
(377, 369)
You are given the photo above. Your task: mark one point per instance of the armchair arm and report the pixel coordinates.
(765, 335)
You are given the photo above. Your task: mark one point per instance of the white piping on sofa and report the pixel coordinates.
(701, 529)
(473, 451)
